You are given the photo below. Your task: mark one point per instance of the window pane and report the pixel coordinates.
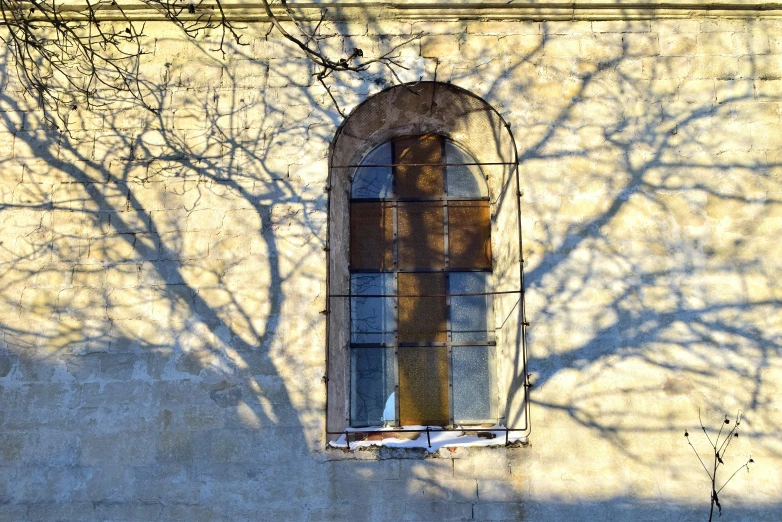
(423, 386)
(372, 318)
(472, 384)
(469, 230)
(422, 319)
(372, 386)
(421, 235)
(471, 316)
(463, 180)
(371, 236)
(419, 180)
(374, 182)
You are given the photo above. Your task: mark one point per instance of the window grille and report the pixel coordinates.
(421, 308)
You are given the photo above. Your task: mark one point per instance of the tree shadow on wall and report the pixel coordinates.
(655, 260)
(158, 270)
(148, 260)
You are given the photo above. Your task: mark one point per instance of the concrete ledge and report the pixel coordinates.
(526, 10)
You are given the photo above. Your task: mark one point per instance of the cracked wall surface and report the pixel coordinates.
(162, 277)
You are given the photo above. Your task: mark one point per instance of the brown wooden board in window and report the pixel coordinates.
(469, 243)
(423, 386)
(422, 319)
(419, 180)
(421, 235)
(371, 235)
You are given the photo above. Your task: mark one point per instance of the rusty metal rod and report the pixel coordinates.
(472, 294)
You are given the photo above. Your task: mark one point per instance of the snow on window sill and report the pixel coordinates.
(438, 438)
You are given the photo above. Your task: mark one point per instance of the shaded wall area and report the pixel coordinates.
(162, 278)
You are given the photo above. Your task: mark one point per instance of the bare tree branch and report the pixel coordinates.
(68, 58)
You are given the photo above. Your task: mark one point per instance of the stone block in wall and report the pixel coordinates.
(442, 488)
(562, 46)
(55, 275)
(482, 464)
(185, 194)
(205, 219)
(7, 193)
(718, 43)
(622, 26)
(295, 73)
(127, 221)
(91, 275)
(6, 145)
(523, 46)
(82, 302)
(35, 145)
(28, 194)
(671, 67)
(601, 48)
(768, 67)
(480, 48)
(500, 511)
(164, 221)
(70, 250)
(697, 91)
(442, 510)
(641, 44)
(677, 44)
(184, 245)
(124, 275)
(458, 27)
(510, 489)
(115, 248)
(444, 47)
(561, 27)
(230, 246)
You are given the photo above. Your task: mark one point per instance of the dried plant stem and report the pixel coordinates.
(719, 450)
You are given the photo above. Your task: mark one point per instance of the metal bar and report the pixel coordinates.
(395, 256)
(403, 430)
(472, 294)
(375, 165)
(447, 262)
(477, 344)
(413, 270)
(395, 200)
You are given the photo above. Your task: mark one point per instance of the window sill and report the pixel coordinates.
(432, 441)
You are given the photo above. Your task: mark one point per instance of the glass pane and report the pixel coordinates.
(464, 180)
(421, 235)
(372, 318)
(423, 386)
(472, 384)
(371, 236)
(469, 229)
(374, 182)
(372, 386)
(422, 319)
(419, 180)
(471, 316)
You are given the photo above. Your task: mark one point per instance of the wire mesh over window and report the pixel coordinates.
(422, 340)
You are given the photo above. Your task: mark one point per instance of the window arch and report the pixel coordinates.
(421, 315)
(424, 201)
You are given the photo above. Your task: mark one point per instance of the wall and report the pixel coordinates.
(163, 275)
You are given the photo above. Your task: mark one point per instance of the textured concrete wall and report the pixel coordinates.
(162, 277)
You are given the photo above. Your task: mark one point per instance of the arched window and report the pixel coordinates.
(421, 315)
(425, 316)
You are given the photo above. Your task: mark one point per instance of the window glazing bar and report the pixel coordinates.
(424, 164)
(423, 344)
